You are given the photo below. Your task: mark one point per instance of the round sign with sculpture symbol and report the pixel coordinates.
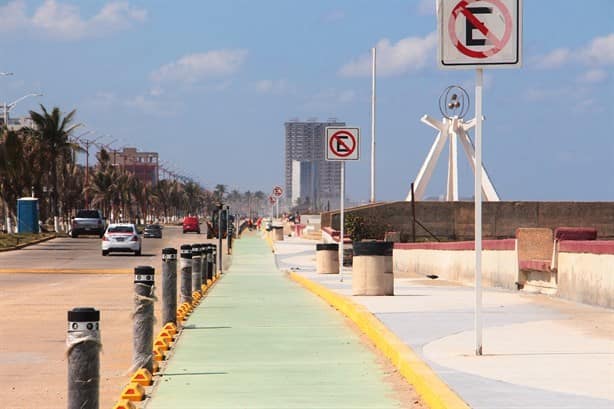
(454, 102)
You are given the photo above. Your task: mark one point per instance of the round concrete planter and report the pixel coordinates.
(327, 258)
(372, 268)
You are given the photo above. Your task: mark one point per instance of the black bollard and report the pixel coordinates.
(215, 263)
(197, 280)
(83, 341)
(169, 285)
(203, 266)
(143, 316)
(186, 273)
(209, 263)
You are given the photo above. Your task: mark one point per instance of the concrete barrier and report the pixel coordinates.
(277, 233)
(456, 261)
(327, 258)
(372, 268)
(585, 272)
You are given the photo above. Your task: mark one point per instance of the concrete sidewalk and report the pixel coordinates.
(259, 340)
(539, 352)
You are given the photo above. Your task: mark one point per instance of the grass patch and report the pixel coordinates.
(12, 240)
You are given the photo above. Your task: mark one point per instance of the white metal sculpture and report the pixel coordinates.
(453, 104)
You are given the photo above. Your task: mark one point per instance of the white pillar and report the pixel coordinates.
(373, 53)
(478, 212)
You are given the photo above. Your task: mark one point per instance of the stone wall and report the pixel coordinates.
(454, 220)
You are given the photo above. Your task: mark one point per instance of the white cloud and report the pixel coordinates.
(199, 66)
(598, 52)
(593, 76)
(13, 16)
(277, 87)
(64, 21)
(554, 59)
(601, 51)
(411, 53)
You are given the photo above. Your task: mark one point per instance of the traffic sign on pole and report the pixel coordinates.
(342, 143)
(278, 191)
(479, 33)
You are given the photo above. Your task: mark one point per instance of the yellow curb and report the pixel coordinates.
(433, 391)
(65, 271)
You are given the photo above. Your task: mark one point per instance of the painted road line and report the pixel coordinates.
(66, 271)
(433, 391)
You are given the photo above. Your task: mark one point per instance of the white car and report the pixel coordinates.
(121, 237)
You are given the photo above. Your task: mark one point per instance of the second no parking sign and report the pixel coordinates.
(342, 143)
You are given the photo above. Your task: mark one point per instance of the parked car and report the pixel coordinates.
(191, 224)
(121, 237)
(153, 231)
(87, 221)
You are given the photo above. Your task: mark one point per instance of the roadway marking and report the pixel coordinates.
(65, 271)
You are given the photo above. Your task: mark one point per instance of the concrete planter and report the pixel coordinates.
(327, 258)
(372, 268)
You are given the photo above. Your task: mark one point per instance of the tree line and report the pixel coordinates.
(40, 161)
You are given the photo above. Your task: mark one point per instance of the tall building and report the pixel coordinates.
(310, 180)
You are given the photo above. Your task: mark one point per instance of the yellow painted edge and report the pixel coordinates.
(65, 271)
(435, 393)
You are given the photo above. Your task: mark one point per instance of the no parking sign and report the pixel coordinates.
(479, 33)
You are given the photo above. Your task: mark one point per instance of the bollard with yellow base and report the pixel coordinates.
(209, 282)
(133, 392)
(204, 288)
(161, 344)
(170, 327)
(124, 404)
(142, 377)
(158, 354)
(166, 336)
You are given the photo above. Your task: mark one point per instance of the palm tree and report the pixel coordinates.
(53, 132)
(259, 196)
(219, 192)
(193, 197)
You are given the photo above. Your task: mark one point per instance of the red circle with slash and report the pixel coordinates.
(498, 43)
(339, 139)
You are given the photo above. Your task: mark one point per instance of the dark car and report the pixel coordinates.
(191, 224)
(153, 231)
(88, 221)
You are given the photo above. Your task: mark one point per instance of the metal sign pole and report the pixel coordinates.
(478, 211)
(373, 125)
(341, 220)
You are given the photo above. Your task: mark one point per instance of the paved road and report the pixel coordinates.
(261, 341)
(84, 253)
(33, 315)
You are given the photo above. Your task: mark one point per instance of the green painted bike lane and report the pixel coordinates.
(259, 340)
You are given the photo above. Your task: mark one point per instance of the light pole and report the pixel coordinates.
(6, 207)
(8, 107)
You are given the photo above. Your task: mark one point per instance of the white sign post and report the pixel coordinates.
(277, 193)
(342, 144)
(478, 34)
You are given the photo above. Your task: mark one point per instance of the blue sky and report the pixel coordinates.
(210, 84)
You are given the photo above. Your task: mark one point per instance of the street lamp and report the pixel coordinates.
(8, 107)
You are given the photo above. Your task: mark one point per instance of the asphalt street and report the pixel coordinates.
(69, 273)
